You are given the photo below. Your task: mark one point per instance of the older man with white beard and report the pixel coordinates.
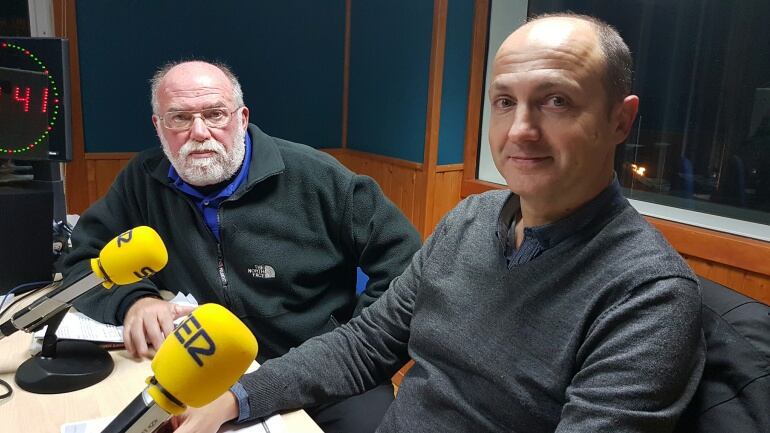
(276, 238)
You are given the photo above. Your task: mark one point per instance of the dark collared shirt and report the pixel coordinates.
(208, 204)
(539, 239)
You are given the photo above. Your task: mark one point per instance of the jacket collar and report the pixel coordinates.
(266, 161)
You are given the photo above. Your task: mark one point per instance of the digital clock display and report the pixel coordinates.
(32, 121)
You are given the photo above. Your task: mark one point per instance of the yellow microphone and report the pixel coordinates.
(128, 258)
(198, 362)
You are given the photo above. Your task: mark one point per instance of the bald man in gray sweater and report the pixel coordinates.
(553, 306)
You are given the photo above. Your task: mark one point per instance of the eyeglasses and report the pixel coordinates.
(217, 117)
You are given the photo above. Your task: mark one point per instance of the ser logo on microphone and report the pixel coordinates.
(144, 272)
(124, 238)
(195, 339)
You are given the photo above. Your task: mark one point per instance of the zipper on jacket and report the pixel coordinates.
(221, 260)
(220, 256)
(221, 267)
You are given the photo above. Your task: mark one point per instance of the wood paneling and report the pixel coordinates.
(448, 181)
(101, 170)
(749, 283)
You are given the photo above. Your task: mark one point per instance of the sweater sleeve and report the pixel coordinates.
(382, 238)
(640, 362)
(105, 219)
(353, 358)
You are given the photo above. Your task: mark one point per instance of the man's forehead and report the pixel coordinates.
(549, 32)
(557, 44)
(191, 81)
(560, 34)
(195, 75)
(536, 59)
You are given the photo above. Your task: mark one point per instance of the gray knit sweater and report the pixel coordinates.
(599, 333)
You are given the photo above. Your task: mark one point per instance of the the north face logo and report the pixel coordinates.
(262, 271)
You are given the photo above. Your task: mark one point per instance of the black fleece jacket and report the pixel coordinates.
(292, 236)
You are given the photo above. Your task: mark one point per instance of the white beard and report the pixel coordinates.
(211, 170)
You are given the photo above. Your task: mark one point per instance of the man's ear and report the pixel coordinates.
(624, 115)
(244, 117)
(155, 121)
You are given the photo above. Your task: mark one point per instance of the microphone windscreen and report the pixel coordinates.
(130, 257)
(204, 356)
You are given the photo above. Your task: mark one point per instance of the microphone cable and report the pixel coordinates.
(9, 391)
(27, 292)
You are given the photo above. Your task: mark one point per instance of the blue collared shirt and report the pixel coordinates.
(208, 205)
(541, 238)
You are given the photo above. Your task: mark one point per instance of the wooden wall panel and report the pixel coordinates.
(101, 170)
(749, 283)
(448, 182)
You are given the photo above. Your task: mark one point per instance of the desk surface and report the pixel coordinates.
(27, 412)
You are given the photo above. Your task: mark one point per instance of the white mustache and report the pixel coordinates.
(205, 146)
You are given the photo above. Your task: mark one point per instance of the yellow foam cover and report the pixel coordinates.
(131, 256)
(204, 356)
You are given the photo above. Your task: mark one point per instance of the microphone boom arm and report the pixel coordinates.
(46, 307)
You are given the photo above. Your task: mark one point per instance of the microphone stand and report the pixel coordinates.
(63, 365)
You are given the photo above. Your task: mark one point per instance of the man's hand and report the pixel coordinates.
(148, 322)
(209, 418)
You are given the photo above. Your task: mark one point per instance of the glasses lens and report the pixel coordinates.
(216, 117)
(178, 119)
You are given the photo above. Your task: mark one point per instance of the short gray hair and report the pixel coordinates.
(157, 78)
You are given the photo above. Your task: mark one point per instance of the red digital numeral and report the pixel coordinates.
(24, 100)
(44, 103)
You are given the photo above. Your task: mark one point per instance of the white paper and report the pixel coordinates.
(274, 424)
(78, 326)
(187, 300)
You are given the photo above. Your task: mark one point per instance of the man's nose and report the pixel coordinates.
(198, 130)
(525, 126)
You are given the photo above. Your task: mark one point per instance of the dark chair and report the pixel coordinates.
(734, 393)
